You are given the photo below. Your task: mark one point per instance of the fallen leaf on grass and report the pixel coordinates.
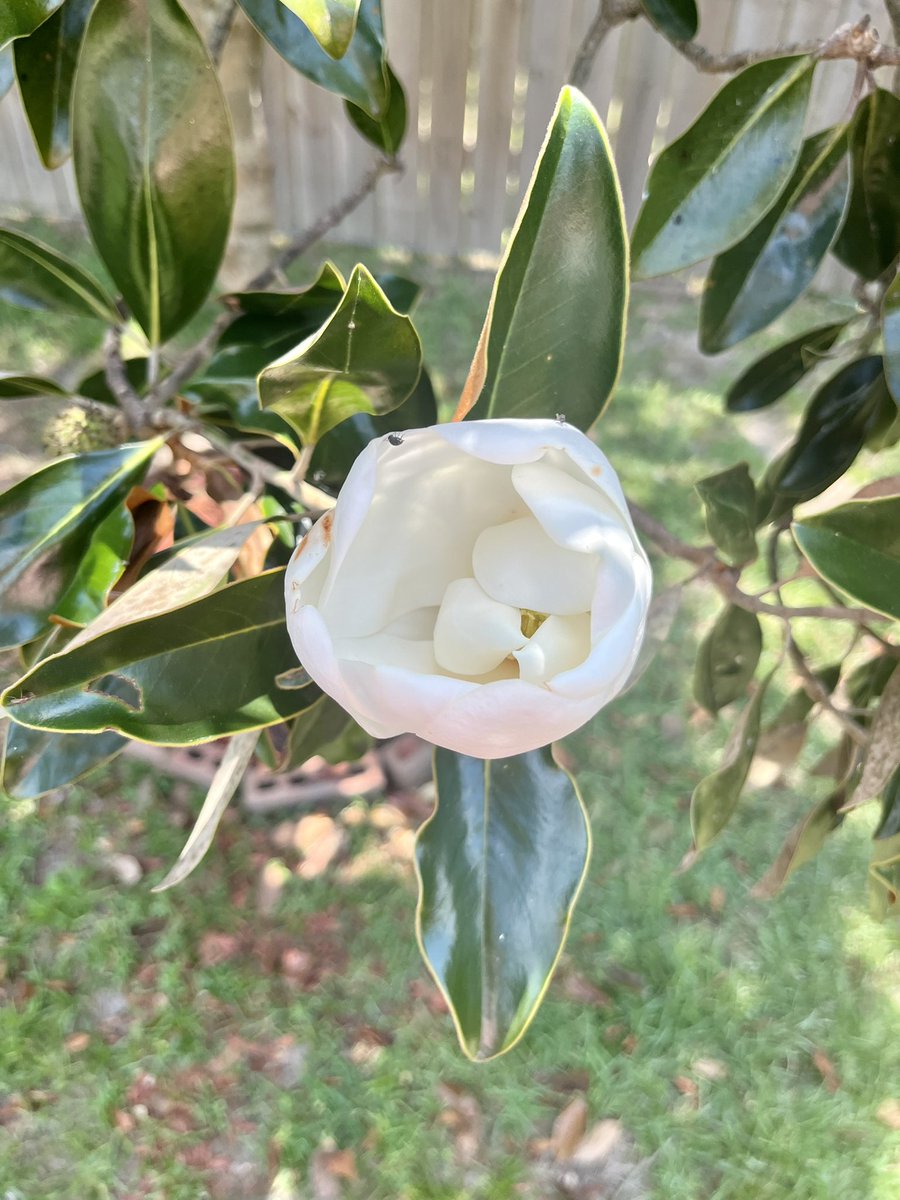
(217, 948)
(568, 1128)
(826, 1069)
(319, 840)
(599, 1142)
(76, 1042)
(888, 1113)
(709, 1068)
(582, 991)
(718, 898)
(461, 1115)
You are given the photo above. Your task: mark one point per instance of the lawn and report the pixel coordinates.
(239, 1038)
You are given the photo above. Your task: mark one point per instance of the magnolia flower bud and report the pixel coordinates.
(478, 583)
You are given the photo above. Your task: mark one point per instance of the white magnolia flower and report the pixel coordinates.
(478, 583)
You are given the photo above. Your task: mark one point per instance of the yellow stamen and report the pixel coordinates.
(532, 621)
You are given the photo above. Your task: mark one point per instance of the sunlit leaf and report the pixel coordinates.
(332, 22)
(710, 187)
(33, 275)
(552, 341)
(755, 281)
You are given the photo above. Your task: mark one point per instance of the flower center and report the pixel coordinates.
(531, 621)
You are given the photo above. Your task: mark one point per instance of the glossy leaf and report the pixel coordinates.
(773, 375)
(18, 18)
(755, 281)
(837, 421)
(332, 22)
(727, 658)
(269, 317)
(716, 797)
(387, 131)
(802, 844)
(226, 781)
(46, 525)
(500, 864)
(856, 547)
(336, 453)
(153, 158)
(7, 70)
(676, 19)
(33, 275)
(552, 340)
(729, 501)
(234, 403)
(366, 358)
(711, 186)
(870, 239)
(193, 674)
(186, 576)
(45, 68)
(100, 568)
(18, 387)
(890, 327)
(35, 762)
(359, 76)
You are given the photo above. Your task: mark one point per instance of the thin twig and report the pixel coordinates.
(117, 380)
(815, 689)
(725, 578)
(191, 363)
(858, 41)
(610, 13)
(221, 28)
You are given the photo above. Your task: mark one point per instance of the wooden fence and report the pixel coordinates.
(482, 77)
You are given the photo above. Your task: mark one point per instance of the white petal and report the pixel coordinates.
(575, 514)
(416, 534)
(518, 564)
(560, 644)
(384, 649)
(473, 633)
(605, 670)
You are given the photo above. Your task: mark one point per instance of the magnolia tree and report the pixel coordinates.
(480, 582)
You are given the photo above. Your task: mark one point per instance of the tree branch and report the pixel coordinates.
(725, 578)
(859, 42)
(117, 380)
(610, 13)
(816, 691)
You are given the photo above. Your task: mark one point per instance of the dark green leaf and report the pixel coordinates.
(870, 239)
(366, 358)
(710, 187)
(803, 843)
(676, 19)
(7, 70)
(33, 275)
(339, 449)
(101, 566)
(325, 730)
(46, 525)
(837, 421)
(332, 22)
(867, 682)
(387, 131)
(501, 863)
(45, 68)
(755, 281)
(773, 375)
(716, 797)
(889, 825)
(890, 325)
(727, 658)
(199, 672)
(17, 387)
(35, 762)
(18, 18)
(552, 341)
(857, 548)
(153, 158)
(729, 500)
(360, 76)
(269, 317)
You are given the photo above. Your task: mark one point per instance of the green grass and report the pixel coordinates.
(202, 1068)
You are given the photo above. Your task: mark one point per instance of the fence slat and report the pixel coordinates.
(482, 77)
